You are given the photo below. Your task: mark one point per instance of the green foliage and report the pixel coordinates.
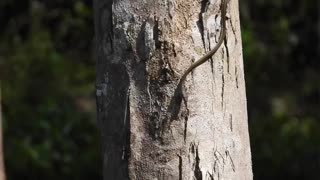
(48, 90)
(281, 59)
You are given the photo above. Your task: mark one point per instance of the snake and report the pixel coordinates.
(208, 55)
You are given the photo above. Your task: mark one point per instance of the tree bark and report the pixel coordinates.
(142, 49)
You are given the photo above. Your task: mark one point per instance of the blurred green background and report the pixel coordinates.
(47, 71)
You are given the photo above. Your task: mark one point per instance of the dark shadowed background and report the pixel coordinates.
(47, 72)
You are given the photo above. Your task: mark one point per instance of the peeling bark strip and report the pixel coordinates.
(142, 48)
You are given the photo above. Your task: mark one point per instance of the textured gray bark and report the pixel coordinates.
(142, 48)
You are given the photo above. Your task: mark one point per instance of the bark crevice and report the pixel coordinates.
(222, 89)
(236, 75)
(197, 170)
(200, 22)
(180, 166)
(227, 53)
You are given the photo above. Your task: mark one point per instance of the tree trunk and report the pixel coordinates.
(142, 49)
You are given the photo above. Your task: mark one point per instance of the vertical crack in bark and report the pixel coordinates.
(197, 170)
(222, 90)
(176, 101)
(185, 128)
(211, 60)
(174, 50)
(236, 74)
(180, 167)
(231, 122)
(213, 77)
(156, 33)
(234, 32)
(210, 175)
(215, 166)
(227, 52)
(212, 67)
(166, 52)
(231, 160)
(219, 162)
(200, 23)
(126, 126)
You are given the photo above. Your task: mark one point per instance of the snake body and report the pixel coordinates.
(207, 56)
